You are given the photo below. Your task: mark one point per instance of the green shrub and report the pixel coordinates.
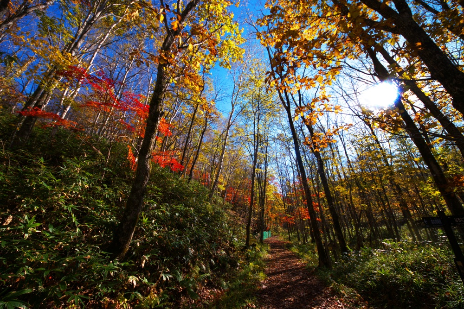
(406, 275)
(61, 196)
(242, 288)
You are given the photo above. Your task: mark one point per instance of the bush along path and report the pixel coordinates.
(289, 284)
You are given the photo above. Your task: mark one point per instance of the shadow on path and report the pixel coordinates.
(289, 284)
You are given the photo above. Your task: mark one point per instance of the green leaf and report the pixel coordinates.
(15, 294)
(13, 304)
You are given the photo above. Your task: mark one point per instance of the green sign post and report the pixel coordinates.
(266, 234)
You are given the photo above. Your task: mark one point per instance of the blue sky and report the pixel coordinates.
(246, 10)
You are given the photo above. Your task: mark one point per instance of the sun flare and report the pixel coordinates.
(379, 96)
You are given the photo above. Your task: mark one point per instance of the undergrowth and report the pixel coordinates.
(241, 291)
(400, 275)
(61, 196)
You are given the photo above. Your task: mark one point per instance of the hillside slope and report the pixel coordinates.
(61, 196)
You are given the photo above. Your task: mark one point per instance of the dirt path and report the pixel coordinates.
(289, 284)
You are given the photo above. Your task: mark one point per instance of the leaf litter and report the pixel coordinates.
(290, 284)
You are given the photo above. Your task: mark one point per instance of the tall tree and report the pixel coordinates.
(22, 9)
(453, 203)
(316, 150)
(200, 23)
(284, 97)
(66, 55)
(238, 76)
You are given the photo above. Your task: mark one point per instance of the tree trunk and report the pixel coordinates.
(189, 132)
(323, 256)
(43, 93)
(126, 228)
(262, 184)
(89, 65)
(205, 126)
(23, 10)
(394, 184)
(4, 7)
(440, 66)
(328, 193)
(453, 203)
(256, 142)
(445, 122)
(221, 156)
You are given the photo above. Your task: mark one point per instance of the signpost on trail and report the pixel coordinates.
(266, 234)
(446, 222)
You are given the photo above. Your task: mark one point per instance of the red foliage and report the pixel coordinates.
(239, 196)
(205, 179)
(105, 98)
(287, 219)
(166, 158)
(56, 119)
(135, 112)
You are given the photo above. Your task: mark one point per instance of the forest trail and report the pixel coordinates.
(289, 284)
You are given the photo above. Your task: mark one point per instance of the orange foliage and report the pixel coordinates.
(287, 219)
(131, 158)
(457, 181)
(163, 127)
(302, 213)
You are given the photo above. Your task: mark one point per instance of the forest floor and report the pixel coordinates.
(290, 284)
